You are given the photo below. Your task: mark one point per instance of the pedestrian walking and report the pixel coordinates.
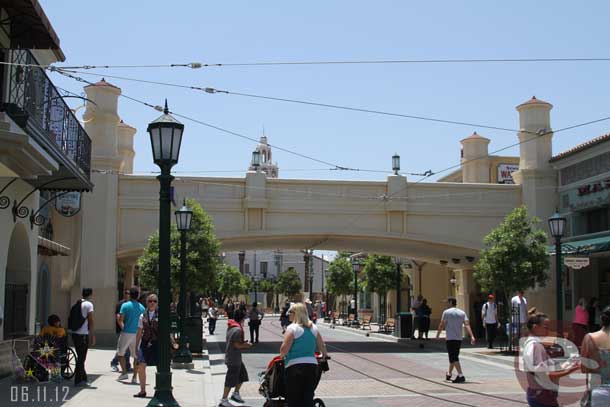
(236, 370)
(580, 323)
(542, 372)
(284, 320)
(114, 363)
(423, 314)
(298, 349)
(255, 317)
(596, 348)
(520, 318)
(81, 324)
(592, 310)
(129, 315)
(230, 309)
(489, 315)
(452, 321)
(147, 340)
(414, 306)
(212, 318)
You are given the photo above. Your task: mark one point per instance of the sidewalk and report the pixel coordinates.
(106, 391)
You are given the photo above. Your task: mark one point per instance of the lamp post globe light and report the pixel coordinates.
(256, 159)
(184, 216)
(356, 267)
(165, 138)
(557, 224)
(396, 163)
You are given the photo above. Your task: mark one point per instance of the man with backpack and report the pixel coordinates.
(80, 322)
(129, 315)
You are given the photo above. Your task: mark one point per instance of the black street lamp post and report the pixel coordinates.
(183, 222)
(557, 225)
(398, 284)
(355, 266)
(311, 271)
(166, 137)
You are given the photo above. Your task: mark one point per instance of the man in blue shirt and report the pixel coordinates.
(129, 315)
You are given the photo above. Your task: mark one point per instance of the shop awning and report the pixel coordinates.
(48, 247)
(585, 246)
(29, 27)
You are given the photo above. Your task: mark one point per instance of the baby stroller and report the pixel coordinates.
(272, 384)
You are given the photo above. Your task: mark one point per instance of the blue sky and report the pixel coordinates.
(153, 32)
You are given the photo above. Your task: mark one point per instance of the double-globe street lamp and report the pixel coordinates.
(557, 224)
(184, 216)
(165, 137)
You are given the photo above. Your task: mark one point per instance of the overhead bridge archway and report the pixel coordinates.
(431, 222)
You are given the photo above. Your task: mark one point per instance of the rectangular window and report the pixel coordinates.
(264, 269)
(597, 220)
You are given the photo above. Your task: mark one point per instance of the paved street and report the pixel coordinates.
(367, 371)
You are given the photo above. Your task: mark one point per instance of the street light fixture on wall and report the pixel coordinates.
(165, 138)
(184, 216)
(557, 224)
(396, 163)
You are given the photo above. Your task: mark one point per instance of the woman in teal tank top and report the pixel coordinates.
(595, 360)
(298, 350)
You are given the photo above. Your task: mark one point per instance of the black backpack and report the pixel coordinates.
(76, 319)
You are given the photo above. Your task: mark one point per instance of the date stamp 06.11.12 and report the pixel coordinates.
(39, 395)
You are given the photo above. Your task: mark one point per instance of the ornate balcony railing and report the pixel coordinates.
(35, 104)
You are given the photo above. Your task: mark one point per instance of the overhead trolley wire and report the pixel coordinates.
(198, 65)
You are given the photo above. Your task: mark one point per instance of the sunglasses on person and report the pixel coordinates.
(152, 300)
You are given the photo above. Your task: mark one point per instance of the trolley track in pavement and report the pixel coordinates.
(473, 392)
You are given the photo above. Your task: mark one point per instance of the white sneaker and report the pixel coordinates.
(236, 397)
(123, 376)
(225, 403)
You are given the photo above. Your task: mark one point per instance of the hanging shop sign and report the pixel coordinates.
(68, 204)
(576, 262)
(505, 172)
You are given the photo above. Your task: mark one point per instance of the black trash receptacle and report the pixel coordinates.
(404, 324)
(193, 330)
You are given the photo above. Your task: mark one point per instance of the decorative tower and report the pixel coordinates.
(267, 165)
(125, 135)
(475, 159)
(535, 173)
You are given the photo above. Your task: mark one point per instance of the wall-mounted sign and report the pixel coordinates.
(576, 262)
(594, 188)
(68, 204)
(505, 172)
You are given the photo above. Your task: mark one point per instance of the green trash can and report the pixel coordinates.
(404, 325)
(193, 330)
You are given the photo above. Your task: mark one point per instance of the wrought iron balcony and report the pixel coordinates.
(36, 105)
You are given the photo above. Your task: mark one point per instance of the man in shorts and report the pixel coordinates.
(129, 315)
(236, 371)
(452, 320)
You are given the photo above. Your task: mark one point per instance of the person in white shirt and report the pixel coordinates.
(453, 319)
(83, 337)
(519, 301)
(489, 315)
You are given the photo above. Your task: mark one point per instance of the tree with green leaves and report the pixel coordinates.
(202, 250)
(340, 278)
(380, 277)
(267, 285)
(231, 283)
(514, 258)
(289, 283)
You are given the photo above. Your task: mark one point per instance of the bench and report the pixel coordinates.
(388, 327)
(366, 321)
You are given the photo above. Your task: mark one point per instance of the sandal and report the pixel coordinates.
(140, 395)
